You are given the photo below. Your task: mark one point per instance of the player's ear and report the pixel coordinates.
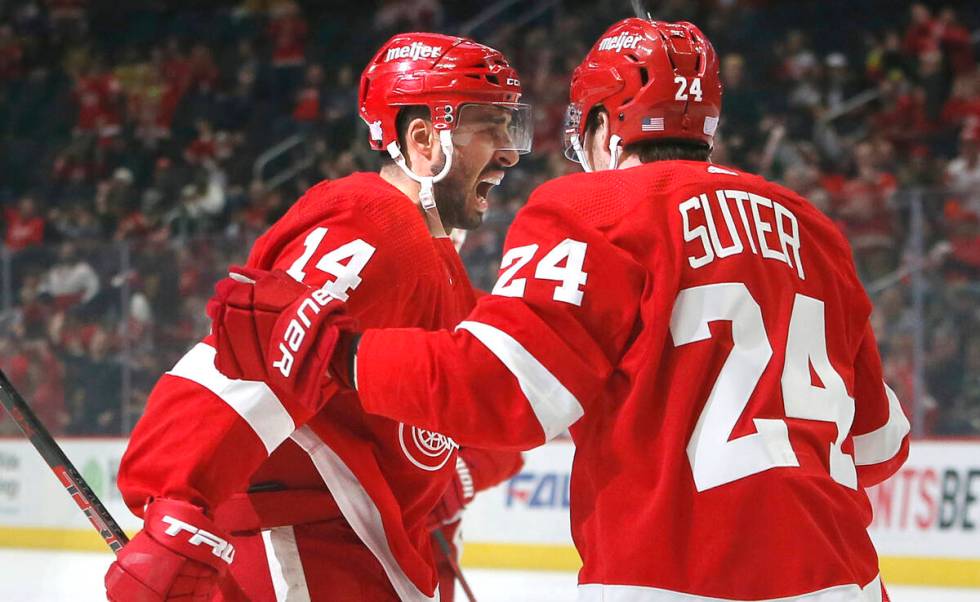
(422, 138)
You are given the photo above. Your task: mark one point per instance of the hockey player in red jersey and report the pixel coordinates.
(298, 499)
(701, 331)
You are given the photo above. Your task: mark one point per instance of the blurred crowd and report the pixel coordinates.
(133, 164)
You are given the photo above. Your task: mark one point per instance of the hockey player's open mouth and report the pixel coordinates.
(483, 188)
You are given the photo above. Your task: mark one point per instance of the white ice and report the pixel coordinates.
(44, 576)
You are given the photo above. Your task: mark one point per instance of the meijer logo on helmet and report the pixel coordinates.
(415, 51)
(620, 42)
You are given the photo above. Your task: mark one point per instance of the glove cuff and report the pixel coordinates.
(184, 528)
(342, 365)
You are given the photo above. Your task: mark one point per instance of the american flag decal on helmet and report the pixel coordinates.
(652, 124)
(710, 125)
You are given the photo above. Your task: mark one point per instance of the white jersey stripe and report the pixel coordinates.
(598, 592)
(285, 566)
(359, 510)
(254, 401)
(881, 445)
(554, 405)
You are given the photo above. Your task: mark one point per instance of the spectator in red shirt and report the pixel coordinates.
(166, 107)
(964, 102)
(203, 71)
(98, 95)
(11, 55)
(902, 120)
(175, 67)
(287, 32)
(46, 375)
(25, 227)
(923, 32)
(88, 96)
(955, 42)
(863, 208)
(203, 149)
(36, 371)
(15, 364)
(310, 98)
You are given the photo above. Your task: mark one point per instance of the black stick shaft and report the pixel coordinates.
(70, 478)
(447, 551)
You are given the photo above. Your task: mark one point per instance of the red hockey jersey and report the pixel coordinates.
(704, 334)
(368, 243)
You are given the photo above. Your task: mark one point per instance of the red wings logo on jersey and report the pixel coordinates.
(428, 450)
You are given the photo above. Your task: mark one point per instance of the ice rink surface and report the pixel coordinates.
(41, 576)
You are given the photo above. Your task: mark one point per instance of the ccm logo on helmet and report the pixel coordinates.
(623, 41)
(219, 547)
(415, 51)
(295, 332)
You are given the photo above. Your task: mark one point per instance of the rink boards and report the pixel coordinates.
(926, 526)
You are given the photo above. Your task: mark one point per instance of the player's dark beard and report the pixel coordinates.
(451, 199)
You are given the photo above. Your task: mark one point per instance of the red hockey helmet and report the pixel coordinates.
(443, 73)
(657, 80)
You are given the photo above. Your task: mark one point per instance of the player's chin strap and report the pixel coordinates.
(615, 151)
(580, 153)
(426, 196)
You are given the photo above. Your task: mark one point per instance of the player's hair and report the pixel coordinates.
(668, 149)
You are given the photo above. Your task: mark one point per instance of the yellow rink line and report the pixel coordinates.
(75, 540)
(949, 572)
(900, 570)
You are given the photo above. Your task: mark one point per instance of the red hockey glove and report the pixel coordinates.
(268, 327)
(459, 493)
(179, 554)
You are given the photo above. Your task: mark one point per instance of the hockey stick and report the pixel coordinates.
(74, 483)
(69, 477)
(458, 572)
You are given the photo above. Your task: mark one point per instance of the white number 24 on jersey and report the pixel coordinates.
(716, 460)
(347, 276)
(571, 276)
